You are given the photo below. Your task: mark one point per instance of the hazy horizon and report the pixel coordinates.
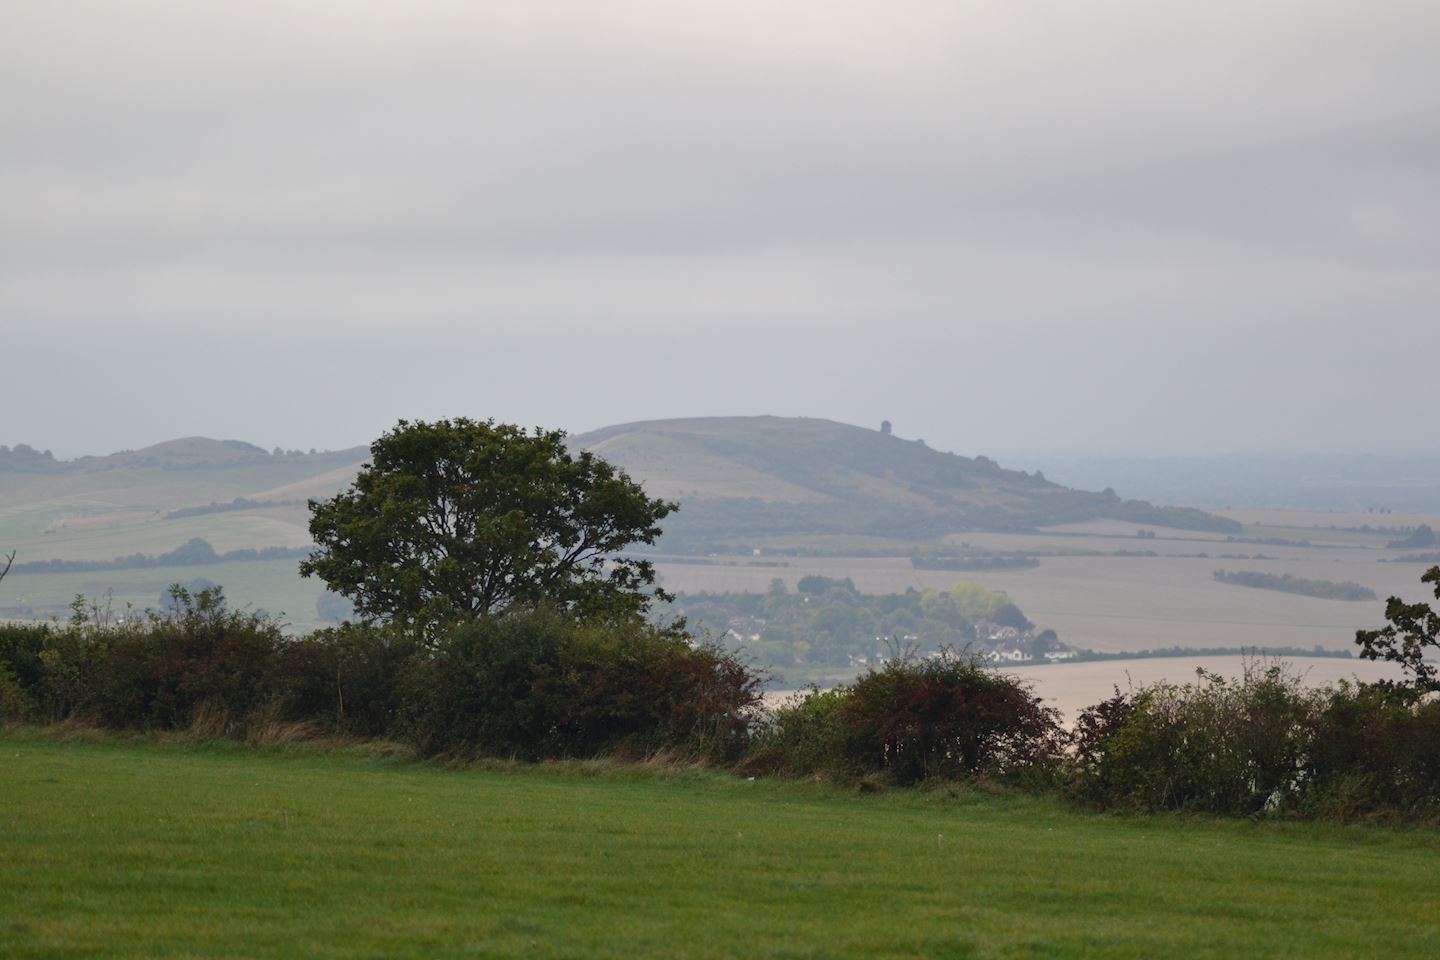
(1022, 232)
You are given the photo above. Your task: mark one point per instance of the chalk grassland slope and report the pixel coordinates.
(98, 508)
(135, 850)
(742, 480)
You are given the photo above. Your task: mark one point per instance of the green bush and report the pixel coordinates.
(160, 671)
(1374, 750)
(538, 684)
(1216, 745)
(801, 737)
(348, 678)
(21, 645)
(941, 717)
(200, 661)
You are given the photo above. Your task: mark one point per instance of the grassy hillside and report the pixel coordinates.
(116, 849)
(781, 481)
(98, 508)
(231, 494)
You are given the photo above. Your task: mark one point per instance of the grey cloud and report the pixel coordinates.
(1020, 190)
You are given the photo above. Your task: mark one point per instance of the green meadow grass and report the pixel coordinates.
(129, 848)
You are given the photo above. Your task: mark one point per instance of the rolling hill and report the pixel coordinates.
(777, 482)
(800, 482)
(152, 500)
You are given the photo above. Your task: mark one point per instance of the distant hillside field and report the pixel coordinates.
(746, 481)
(153, 500)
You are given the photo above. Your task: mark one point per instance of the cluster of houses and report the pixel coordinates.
(996, 643)
(1009, 645)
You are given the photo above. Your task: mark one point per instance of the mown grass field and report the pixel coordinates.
(118, 849)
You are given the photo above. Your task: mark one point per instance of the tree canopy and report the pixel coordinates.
(1412, 633)
(458, 519)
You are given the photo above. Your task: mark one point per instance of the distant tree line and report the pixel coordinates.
(194, 552)
(940, 560)
(1412, 558)
(239, 503)
(1287, 583)
(23, 458)
(1166, 652)
(1419, 538)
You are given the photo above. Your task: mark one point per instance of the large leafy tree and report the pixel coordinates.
(1412, 633)
(458, 519)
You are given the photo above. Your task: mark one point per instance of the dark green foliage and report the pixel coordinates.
(532, 684)
(1374, 749)
(202, 656)
(817, 585)
(1216, 745)
(348, 678)
(1288, 583)
(1412, 633)
(21, 668)
(1260, 744)
(943, 717)
(458, 520)
(538, 684)
(200, 661)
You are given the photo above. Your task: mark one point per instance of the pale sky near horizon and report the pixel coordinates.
(1008, 227)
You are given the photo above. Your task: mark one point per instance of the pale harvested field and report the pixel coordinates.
(1071, 687)
(59, 540)
(1137, 603)
(1118, 604)
(1324, 518)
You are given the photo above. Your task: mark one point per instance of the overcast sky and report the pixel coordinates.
(1011, 227)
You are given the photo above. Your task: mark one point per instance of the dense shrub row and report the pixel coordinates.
(1261, 743)
(539, 685)
(531, 685)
